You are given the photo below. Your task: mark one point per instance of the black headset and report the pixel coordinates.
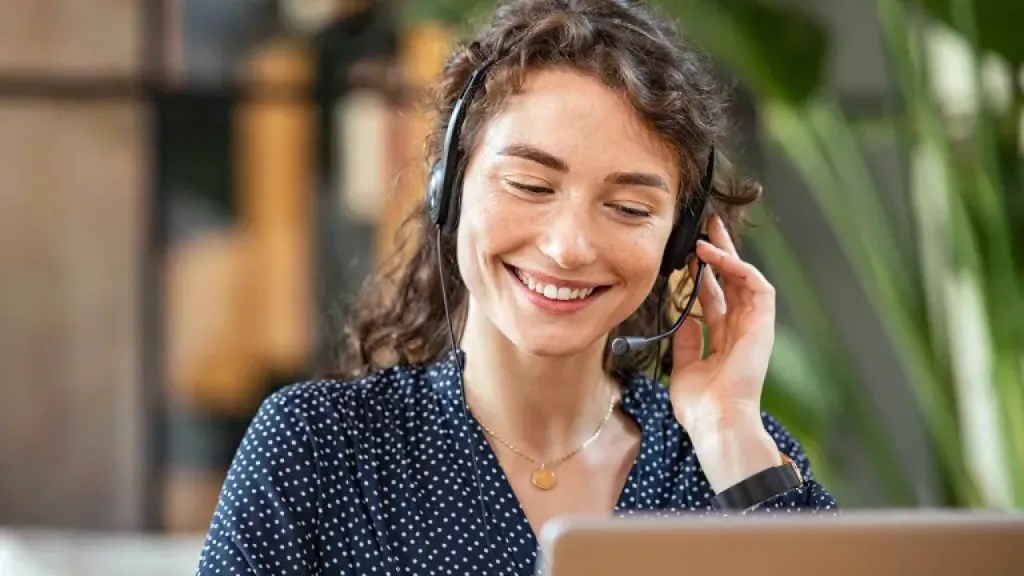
(444, 189)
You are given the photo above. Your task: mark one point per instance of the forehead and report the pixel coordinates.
(580, 119)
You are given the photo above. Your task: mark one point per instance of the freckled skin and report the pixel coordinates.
(577, 229)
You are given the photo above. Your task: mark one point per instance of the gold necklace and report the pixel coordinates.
(544, 477)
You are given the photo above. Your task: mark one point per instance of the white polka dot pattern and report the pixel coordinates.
(375, 476)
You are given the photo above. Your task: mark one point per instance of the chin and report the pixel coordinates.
(552, 345)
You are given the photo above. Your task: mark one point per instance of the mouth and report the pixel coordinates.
(554, 292)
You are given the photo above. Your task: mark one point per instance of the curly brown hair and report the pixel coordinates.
(398, 317)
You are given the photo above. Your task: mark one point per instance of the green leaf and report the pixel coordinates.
(796, 393)
(778, 50)
(812, 145)
(800, 377)
(813, 381)
(998, 24)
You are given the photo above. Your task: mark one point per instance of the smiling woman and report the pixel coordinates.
(574, 147)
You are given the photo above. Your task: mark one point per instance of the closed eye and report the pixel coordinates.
(633, 212)
(528, 188)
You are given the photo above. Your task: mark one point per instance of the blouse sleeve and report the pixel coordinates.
(811, 496)
(266, 518)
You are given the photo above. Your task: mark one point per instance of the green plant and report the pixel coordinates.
(953, 310)
(952, 306)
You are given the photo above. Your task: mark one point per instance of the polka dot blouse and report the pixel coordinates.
(375, 476)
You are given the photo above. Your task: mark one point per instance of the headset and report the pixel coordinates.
(443, 202)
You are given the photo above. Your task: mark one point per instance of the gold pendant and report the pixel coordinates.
(544, 479)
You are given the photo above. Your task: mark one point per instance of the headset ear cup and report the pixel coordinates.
(670, 259)
(682, 242)
(455, 203)
(437, 203)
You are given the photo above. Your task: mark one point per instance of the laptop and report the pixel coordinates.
(905, 543)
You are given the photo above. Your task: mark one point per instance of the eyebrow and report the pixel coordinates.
(543, 158)
(537, 155)
(637, 179)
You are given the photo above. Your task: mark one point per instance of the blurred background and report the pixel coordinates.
(191, 191)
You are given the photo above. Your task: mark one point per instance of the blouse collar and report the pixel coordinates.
(639, 392)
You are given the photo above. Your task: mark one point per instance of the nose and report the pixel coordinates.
(569, 238)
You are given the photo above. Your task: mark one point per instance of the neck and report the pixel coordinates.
(544, 405)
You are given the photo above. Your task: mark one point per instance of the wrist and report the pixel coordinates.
(731, 449)
(701, 421)
(712, 414)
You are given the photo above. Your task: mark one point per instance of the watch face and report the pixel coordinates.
(787, 460)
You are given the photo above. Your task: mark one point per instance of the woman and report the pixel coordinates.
(578, 151)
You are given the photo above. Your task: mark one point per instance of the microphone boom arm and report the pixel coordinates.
(623, 345)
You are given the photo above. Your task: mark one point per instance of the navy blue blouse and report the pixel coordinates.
(374, 476)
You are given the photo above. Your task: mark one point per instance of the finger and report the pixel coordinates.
(719, 235)
(709, 294)
(737, 272)
(687, 343)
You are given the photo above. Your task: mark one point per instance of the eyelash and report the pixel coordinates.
(625, 211)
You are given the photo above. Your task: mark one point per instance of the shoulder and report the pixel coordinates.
(645, 399)
(337, 404)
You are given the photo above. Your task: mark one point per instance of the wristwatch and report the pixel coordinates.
(760, 487)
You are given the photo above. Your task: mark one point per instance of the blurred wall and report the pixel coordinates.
(72, 232)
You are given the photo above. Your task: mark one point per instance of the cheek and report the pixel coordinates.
(639, 259)
(481, 234)
(491, 224)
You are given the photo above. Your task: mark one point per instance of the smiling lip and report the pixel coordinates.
(556, 306)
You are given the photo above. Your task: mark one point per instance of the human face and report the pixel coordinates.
(565, 188)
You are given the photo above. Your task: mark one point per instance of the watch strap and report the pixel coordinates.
(760, 487)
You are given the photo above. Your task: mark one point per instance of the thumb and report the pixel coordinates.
(688, 343)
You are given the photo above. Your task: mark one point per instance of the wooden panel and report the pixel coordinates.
(71, 239)
(276, 161)
(423, 55)
(240, 301)
(210, 356)
(190, 497)
(97, 37)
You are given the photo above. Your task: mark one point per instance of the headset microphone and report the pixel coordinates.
(624, 344)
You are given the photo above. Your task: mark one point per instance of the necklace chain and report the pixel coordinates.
(556, 461)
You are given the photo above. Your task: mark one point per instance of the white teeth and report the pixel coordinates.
(551, 291)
